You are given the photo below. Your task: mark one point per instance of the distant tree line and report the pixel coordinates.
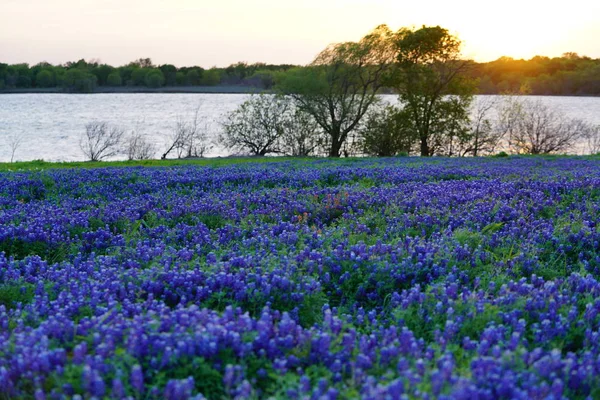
(85, 76)
(570, 74)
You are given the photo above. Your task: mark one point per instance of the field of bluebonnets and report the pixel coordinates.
(399, 278)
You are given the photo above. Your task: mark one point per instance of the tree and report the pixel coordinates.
(14, 141)
(102, 72)
(142, 63)
(341, 84)
(81, 64)
(430, 69)
(180, 78)
(484, 138)
(211, 77)
(125, 72)
(460, 130)
(450, 127)
(44, 79)
(78, 80)
(193, 77)
(138, 76)
(170, 73)
(236, 73)
(154, 78)
(267, 124)
(592, 136)
(188, 138)
(138, 147)
(100, 141)
(114, 79)
(178, 139)
(532, 127)
(257, 126)
(262, 79)
(18, 75)
(387, 132)
(302, 136)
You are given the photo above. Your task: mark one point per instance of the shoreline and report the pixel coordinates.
(220, 161)
(221, 89)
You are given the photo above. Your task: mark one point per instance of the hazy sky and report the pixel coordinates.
(221, 32)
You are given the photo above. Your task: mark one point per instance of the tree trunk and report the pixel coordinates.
(424, 147)
(334, 152)
(336, 146)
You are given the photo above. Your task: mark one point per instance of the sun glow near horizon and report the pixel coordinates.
(514, 28)
(187, 32)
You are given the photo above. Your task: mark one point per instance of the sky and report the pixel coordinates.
(221, 32)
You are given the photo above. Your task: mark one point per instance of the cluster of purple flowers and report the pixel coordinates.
(375, 279)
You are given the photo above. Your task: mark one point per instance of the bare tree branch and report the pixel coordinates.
(532, 127)
(189, 138)
(101, 141)
(14, 141)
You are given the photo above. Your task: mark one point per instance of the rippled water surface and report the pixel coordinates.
(51, 124)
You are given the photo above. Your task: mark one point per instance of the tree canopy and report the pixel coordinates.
(342, 82)
(433, 84)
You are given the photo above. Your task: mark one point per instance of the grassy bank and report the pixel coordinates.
(208, 162)
(223, 161)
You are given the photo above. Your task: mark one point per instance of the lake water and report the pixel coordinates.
(51, 124)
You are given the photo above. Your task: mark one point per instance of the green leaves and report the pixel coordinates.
(433, 87)
(427, 45)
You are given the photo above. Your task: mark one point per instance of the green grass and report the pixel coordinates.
(13, 293)
(20, 249)
(204, 162)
